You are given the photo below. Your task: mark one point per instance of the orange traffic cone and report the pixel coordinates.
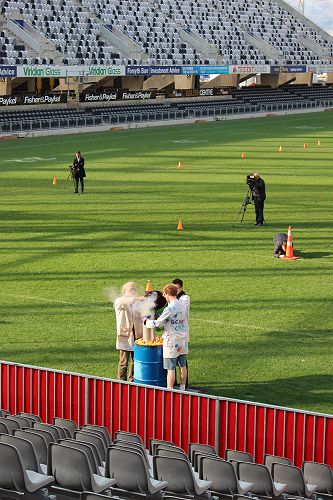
(180, 165)
(318, 144)
(243, 155)
(54, 182)
(180, 225)
(305, 145)
(290, 250)
(149, 288)
(280, 149)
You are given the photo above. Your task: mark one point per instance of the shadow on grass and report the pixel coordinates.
(313, 255)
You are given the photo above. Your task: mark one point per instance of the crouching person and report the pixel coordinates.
(129, 329)
(175, 336)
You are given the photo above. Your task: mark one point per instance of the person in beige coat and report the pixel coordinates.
(129, 329)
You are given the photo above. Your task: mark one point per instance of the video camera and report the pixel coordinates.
(250, 181)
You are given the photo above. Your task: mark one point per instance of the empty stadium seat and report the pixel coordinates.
(262, 483)
(270, 459)
(294, 479)
(222, 475)
(319, 474)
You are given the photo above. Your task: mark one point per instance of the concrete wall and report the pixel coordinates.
(223, 81)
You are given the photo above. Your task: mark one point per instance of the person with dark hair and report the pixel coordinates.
(183, 298)
(78, 172)
(280, 245)
(257, 186)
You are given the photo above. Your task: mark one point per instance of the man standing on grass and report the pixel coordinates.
(185, 301)
(259, 196)
(175, 345)
(129, 328)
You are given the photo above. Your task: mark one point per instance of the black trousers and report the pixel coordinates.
(259, 208)
(76, 184)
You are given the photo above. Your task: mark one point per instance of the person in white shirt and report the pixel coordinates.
(175, 344)
(129, 329)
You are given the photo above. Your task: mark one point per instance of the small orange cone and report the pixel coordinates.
(280, 149)
(318, 144)
(149, 288)
(290, 250)
(305, 145)
(243, 155)
(54, 182)
(180, 165)
(180, 225)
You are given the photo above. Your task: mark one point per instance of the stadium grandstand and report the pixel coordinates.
(59, 59)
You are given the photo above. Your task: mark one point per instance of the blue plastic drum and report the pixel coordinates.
(148, 365)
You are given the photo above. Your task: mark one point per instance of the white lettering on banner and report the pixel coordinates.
(136, 95)
(208, 92)
(49, 99)
(6, 101)
(100, 97)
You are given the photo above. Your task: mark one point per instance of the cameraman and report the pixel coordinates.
(78, 172)
(257, 186)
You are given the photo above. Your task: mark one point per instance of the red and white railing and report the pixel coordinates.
(167, 414)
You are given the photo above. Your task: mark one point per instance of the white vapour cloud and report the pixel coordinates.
(320, 11)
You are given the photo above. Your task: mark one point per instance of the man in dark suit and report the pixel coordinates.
(259, 196)
(280, 244)
(78, 172)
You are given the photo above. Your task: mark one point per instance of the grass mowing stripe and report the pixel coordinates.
(261, 329)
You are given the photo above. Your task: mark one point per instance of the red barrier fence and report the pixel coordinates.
(167, 414)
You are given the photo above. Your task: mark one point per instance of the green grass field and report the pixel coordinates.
(261, 328)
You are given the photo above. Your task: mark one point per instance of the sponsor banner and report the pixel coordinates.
(205, 70)
(288, 69)
(248, 69)
(19, 100)
(117, 95)
(54, 71)
(153, 70)
(207, 92)
(320, 68)
(8, 71)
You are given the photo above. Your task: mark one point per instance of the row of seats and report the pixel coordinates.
(221, 27)
(238, 97)
(67, 459)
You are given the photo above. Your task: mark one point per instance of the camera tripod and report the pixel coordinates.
(70, 174)
(246, 201)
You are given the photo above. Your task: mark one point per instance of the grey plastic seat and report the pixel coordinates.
(32, 416)
(271, 459)
(319, 474)
(38, 442)
(294, 479)
(52, 429)
(13, 475)
(10, 424)
(70, 425)
(131, 446)
(259, 475)
(22, 421)
(99, 428)
(128, 436)
(87, 437)
(49, 438)
(152, 442)
(3, 428)
(179, 475)
(169, 452)
(130, 472)
(222, 475)
(26, 451)
(89, 451)
(239, 456)
(202, 448)
(97, 432)
(72, 472)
